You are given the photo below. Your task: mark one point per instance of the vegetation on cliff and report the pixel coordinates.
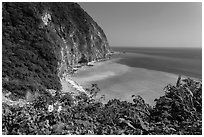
(37, 38)
(179, 111)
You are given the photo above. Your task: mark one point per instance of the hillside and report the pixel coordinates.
(43, 41)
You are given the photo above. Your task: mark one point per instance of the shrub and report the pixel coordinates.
(177, 112)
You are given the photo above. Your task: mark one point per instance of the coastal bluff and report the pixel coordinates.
(43, 41)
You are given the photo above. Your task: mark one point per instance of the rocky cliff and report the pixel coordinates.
(43, 41)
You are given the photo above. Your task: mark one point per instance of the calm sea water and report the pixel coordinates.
(183, 61)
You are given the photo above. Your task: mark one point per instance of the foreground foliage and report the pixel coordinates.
(179, 111)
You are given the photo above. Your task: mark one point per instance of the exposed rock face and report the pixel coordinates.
(42, 41)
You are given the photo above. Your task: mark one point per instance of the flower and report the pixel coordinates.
(50, 108)
(59, 108)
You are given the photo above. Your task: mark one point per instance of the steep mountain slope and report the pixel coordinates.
(42, 41)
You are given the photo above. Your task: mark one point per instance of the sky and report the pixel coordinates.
(136, 24)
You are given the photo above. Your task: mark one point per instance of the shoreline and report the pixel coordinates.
(120, 81)
(107, 75)
(73, 86)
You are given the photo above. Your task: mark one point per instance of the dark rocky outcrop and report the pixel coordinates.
(42, 41)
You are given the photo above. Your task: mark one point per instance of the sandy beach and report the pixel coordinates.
(121, 81)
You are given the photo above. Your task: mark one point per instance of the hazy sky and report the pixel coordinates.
(148, 24)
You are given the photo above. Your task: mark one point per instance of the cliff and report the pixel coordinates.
(43, 41)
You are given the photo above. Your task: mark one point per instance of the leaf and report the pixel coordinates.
(166, 114)
(189, 91)
(84, 123)
(178, 81)
(58, 127)
(166, 107)
(127, 122)
(143, 124)
(158, 123)
(169, 99)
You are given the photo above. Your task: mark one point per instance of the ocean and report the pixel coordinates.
(180, 61)
(141, 71)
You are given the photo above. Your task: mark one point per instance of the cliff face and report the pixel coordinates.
(42, 41)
